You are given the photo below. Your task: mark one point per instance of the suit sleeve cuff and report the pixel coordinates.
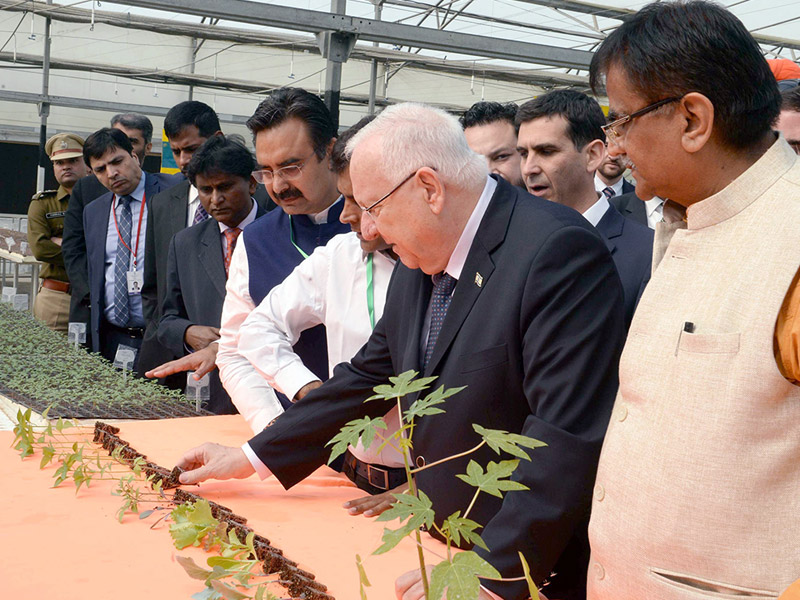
(261, 469)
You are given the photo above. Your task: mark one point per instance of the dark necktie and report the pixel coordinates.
(122, 262)
(200, 215)
(443, 285)
(230, 235)
(609, 193)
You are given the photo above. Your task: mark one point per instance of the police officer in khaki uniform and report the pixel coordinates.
(46, 226)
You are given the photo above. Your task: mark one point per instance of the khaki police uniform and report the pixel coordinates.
(45, 222)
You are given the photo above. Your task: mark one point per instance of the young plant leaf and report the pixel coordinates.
(392, 537)
(526, 570)
(363, 582)
(427, 406)
(457, 527)
(363, 428)
(503, 441)
(226, 591)
(192, 568)
(48, 453)
(460, 577)
(400, 386)
(492, 481)
(419, 510)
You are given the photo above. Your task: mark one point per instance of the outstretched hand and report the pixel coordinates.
(372, 506)
(214, 461)
(201, 362)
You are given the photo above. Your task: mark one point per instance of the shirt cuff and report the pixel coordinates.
(261, 469)
(291, 378)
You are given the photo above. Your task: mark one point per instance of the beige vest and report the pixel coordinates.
(698, 488)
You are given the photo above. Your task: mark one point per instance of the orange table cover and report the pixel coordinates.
(57, 544)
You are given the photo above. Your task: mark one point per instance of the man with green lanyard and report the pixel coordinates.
(342, 286)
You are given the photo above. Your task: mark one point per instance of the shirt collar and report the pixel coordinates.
(600, 185)
(595, 212)
(193, 193)
(652, 205)
(322, 217)
(459, 256)
(251, 216)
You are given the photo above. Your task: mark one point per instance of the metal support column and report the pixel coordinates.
(335, 47)
(373, 68)
(44, 106)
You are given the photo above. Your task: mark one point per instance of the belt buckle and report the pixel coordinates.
(383, 474)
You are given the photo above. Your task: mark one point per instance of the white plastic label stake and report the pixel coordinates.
(124, 358)
(9, 293)
(10, 242)
(76, 334)
(20, 301)
(198, 390)
(23, 247)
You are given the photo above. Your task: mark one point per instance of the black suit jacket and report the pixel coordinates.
(95, 226)
(73, 246)
(195, 292)
(166, 217)
(627, 187)
(631, 247)
(534, 331)
(631, 206)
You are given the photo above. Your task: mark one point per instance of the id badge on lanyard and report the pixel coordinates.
(134, 278)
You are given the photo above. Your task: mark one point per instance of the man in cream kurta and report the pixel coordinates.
(698, 490)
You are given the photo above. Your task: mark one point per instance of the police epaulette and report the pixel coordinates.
(43, 193)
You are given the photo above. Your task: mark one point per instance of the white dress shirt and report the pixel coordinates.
(329, 288)
(655, 211)
(600, 185)
(194, 202)
(251, 216)
(595, 212)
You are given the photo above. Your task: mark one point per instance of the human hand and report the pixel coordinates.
(409, 587)
(201, 362)
(372, 506)
(214, 461)
(198, 337)
(311, 385)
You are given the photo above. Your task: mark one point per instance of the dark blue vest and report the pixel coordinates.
(271, 256)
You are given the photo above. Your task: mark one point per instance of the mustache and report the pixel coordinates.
(288, 194)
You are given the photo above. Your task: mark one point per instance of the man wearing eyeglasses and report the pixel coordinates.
(789, 120)
(697, 488)
(560, 140)
(511, 296)
(294, 134)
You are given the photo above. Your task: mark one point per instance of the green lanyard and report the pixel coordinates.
(370, 292)
(291, 239)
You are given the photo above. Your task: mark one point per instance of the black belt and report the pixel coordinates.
(374, 479)
(134, 332)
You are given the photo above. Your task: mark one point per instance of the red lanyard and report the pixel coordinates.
(138, 230)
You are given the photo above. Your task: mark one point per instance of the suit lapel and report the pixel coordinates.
(610, 227)
(178, 205)
(477, 270)
(209, 253)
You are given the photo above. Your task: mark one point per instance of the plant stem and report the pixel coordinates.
(387, 442)
(472, 503)
(444, 460)
(412, 488)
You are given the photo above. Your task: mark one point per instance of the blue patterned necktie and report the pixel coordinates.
(443, 285)
(609, 193)
(200, 215)
(122, 262)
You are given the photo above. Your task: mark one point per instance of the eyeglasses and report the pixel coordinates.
(612, 129)
(369, 208)
(288, 173)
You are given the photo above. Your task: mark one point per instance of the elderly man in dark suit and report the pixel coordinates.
(534, 329)
(199, 256)
(114, 226)
(562, 144)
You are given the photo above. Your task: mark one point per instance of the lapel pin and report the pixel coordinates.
(478, 279)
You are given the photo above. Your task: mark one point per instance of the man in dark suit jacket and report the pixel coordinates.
(139, 130)
(109, 154)
(187, 125)
(534, 330)
(199, 256)
(562, 143)
(630, 206)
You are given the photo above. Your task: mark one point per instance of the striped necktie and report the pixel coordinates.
(609, 192)
(200, 215)
(443, 285)
(122, 262)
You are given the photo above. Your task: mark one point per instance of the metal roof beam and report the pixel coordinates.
(270, 15)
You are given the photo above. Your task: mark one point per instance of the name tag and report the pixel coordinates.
(56, 215)
(135, 282)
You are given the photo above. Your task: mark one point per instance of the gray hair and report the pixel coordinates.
(135, 121)
(415, 136)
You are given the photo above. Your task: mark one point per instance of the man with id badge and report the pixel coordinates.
(115, 229)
